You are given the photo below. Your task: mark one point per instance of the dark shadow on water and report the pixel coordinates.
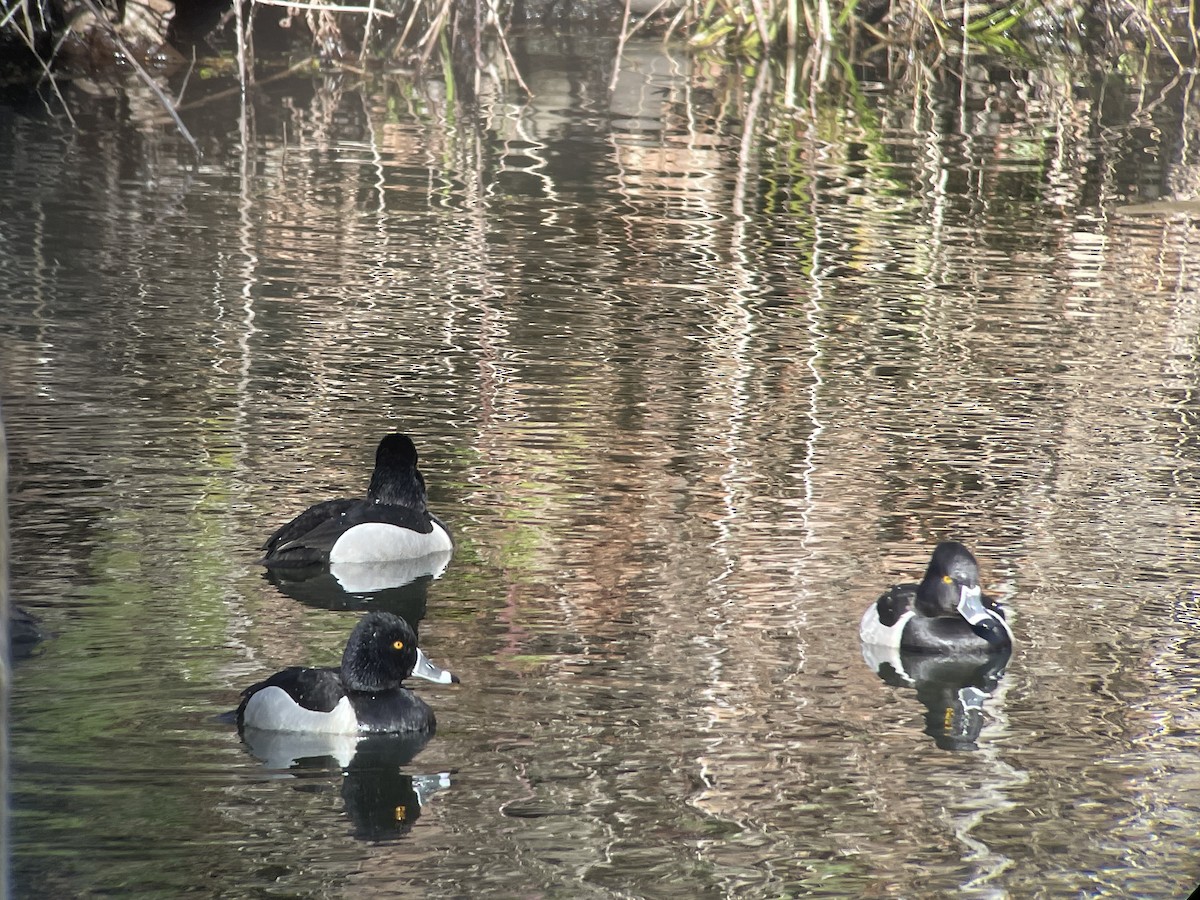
(382, 802)
(951, 688)
(25, 633)
(399, 587)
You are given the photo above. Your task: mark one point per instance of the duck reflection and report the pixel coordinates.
(952, 688)
(24, 633)
(382, 802)
(398, 586)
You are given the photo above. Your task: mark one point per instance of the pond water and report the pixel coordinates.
(696, 369)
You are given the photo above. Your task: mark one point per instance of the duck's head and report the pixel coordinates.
(382, 651)
(951, 588)
(396, 480)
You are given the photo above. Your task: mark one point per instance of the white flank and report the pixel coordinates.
(378, 542)
(273, 709)
(872, 631)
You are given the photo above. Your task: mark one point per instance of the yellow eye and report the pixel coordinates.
(946, 579)
(399, 645)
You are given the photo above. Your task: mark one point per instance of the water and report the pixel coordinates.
(689, 401)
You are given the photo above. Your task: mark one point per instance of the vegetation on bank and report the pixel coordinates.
(463, 42)
(416, 31)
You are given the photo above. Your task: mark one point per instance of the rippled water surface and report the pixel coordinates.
(696, 369)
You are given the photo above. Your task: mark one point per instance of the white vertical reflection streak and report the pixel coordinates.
(502, 403)
(936, 175)
(813, 315)
(990, 793)
(380, 170)
(985, 798)
(247, 281)
(742, 328)
(535, 149)
(739, 329)
(239, 619)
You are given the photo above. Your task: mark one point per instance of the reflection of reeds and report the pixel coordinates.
(468, 44)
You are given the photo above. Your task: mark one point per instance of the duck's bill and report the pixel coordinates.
(982, 620)
(427, 670)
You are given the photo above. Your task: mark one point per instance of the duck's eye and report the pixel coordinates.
(946, 579)
(399, 645)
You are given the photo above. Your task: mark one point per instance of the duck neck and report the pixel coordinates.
(927, 603)
(362, 673)
(397, 489)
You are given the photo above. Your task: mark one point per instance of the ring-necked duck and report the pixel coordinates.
(23, 627)
(392, 522)
(945, 613)
(364, 695)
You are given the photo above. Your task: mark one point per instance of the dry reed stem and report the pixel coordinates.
(27, 37)
(369, 10)
(158, 92)
(494, 20)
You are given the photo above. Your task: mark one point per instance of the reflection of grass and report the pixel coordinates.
(460, 54)
(125, 678)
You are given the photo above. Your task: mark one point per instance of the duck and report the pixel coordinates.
(362, 696)
(946, 613)
(24, 631)
(392, 522)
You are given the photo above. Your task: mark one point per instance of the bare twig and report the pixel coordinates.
(760, 21)
(187, 77)
(1161, 38)
(612, 84)
(27, 37)
(408, 25)
(243, 47)
(429, 38)
(678, 19)
(278, 76)
(366, 41)
(494, 20)
(369, 10)
(17, 8)
(143, 74)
